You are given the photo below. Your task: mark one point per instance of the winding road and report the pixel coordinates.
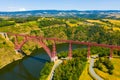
(56, 64)
(91, 69)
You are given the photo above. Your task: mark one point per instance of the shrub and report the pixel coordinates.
(104, 61)
(110, 71)
(98, 65)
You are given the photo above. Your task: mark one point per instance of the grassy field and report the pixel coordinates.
(85, 75)
(96, 21)
(21, 27)
(116, 29)
(115, 22)
(116, 71)
(7, 53)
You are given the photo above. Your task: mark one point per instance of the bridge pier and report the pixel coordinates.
(53, 59)
(88, 54)
(70, 51)
(111, 53)
(54, 56)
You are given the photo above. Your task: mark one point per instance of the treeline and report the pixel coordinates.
(6, 23)
(13, 21)
(46, 23)
(24, 19)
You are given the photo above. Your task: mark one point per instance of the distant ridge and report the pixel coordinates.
(65, 13)
(62, 11)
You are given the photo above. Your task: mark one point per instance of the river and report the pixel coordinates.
(29, 67)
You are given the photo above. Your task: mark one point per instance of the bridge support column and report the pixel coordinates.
(70, 51)
(88, 54)
(111, 53)
(53, 55)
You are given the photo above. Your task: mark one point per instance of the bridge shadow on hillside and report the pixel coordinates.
(40, 52)
(39, 59)
(34, 57)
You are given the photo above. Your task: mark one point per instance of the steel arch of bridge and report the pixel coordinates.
(52, 54)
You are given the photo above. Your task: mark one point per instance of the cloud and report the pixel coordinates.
(16, 9)
(22, 9)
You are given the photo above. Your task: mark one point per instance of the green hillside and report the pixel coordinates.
(106, 31)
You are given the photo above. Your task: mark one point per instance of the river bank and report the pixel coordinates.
(30, 65)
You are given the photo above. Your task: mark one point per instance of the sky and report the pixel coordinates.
(23, 5)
